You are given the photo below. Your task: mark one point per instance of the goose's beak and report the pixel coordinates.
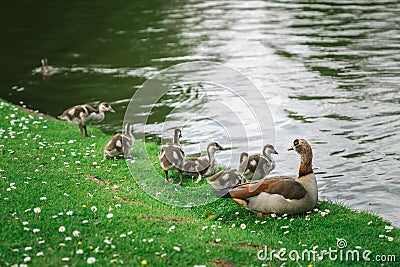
(275, 152)
(111, 110)
(220, 147)
(290, 148)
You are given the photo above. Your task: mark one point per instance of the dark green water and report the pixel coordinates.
(329, 70)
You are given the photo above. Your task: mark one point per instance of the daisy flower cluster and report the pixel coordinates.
(67, 237)
(44, 231)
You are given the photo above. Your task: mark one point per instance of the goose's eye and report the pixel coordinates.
(296, 142)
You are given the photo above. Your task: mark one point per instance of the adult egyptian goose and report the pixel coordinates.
(82, 114)
(46, 69)
(281, 194)
(121, 144)
(172, 156)
(202, 166)
(258, 166)
(228, 177)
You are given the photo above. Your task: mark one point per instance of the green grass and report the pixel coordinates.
(45, 163)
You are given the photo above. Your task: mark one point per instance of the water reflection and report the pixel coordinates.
(202, 99)
(329, 70)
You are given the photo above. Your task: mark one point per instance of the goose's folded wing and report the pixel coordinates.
(197, 164)
(115, 143)
(172, 154)
(89, 108)
(217, 175)
(284, 186)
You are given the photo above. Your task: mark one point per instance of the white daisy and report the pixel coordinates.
(37, 210)
(91, 260)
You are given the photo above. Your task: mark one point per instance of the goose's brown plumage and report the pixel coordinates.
(82, 114)
(202, 166)
(281, 194)
(256, 167)
(121, 144)
(285, 186)
(171, 156)
(228, 177)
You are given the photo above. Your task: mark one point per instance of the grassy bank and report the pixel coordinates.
(55, 213)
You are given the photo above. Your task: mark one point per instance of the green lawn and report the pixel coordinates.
(54, 214)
